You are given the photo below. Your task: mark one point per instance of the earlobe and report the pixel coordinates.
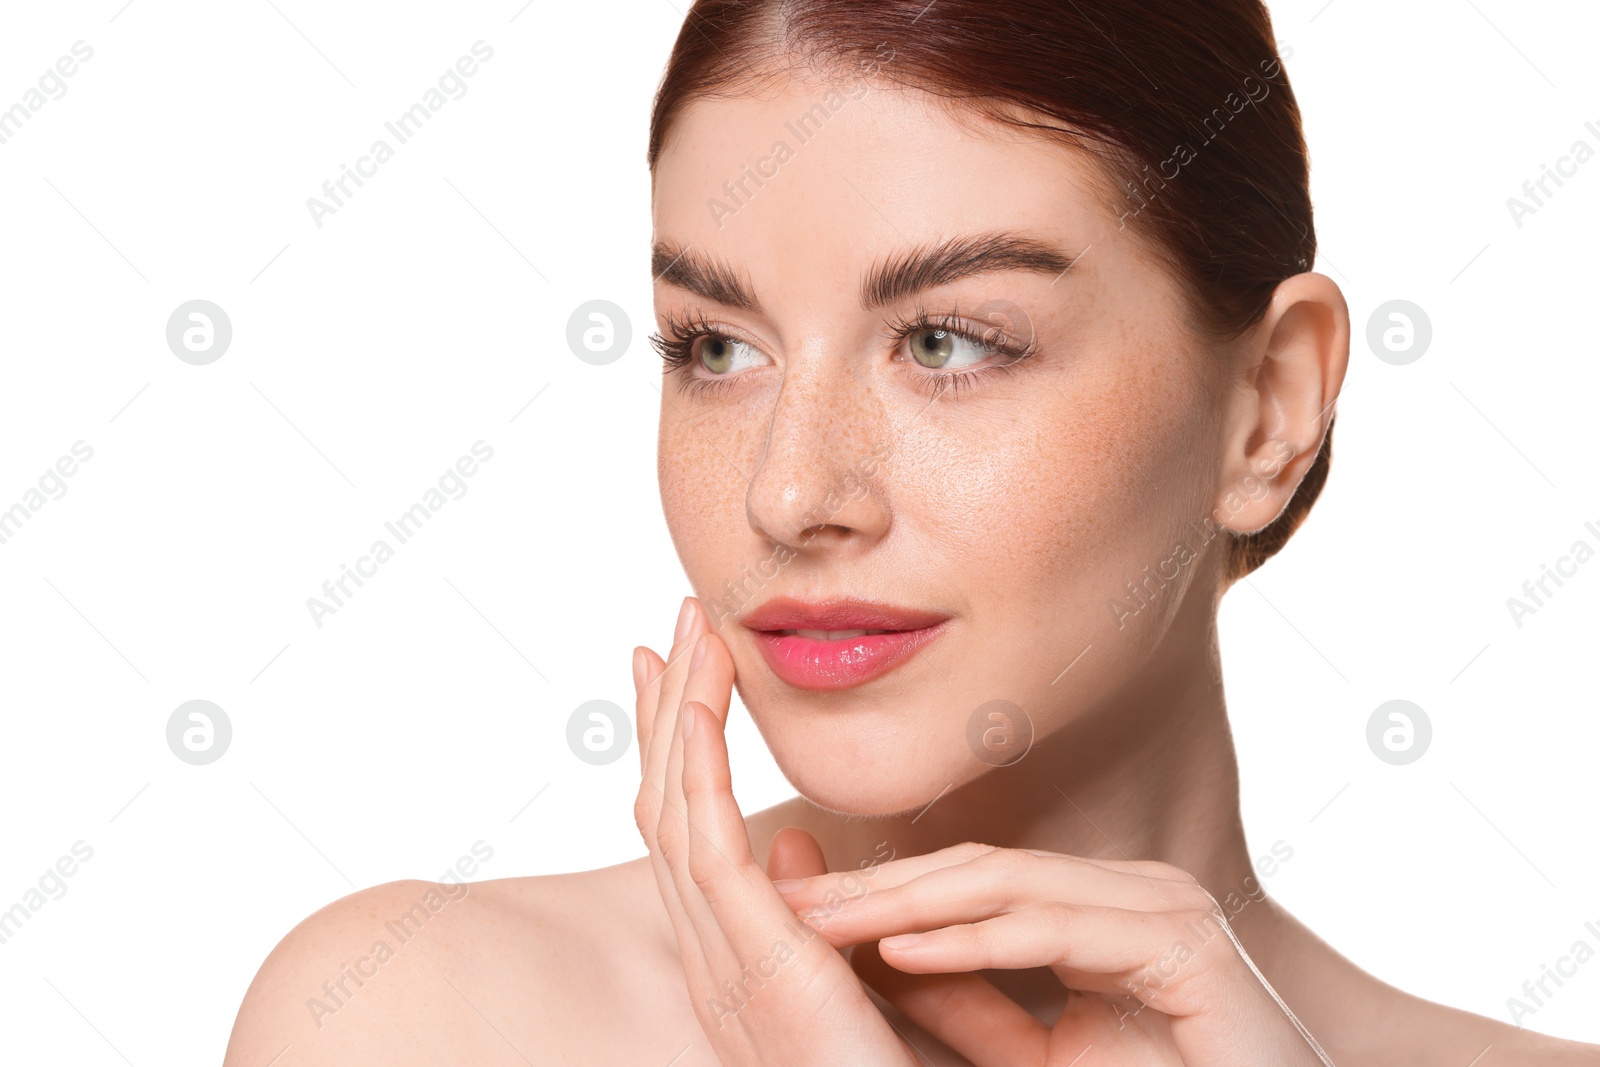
(1292, 365)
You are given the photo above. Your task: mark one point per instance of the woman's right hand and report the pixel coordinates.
(767, 989)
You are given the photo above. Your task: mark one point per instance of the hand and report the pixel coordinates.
(766, 988)
(1155, 974)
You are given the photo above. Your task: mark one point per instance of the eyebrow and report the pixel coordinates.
(906, 274)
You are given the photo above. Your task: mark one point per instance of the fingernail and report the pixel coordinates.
(900, 941)
(685, 620)
(788, 885)
(699, 652)
(690, 714)
(638, 668)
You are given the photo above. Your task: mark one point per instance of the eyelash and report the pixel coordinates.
(676, 348)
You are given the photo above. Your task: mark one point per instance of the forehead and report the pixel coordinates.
(816, 176)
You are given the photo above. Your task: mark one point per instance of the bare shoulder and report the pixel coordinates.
(510, 970)
(1364, 1021)
(1422, 1032)
(1499, 1044)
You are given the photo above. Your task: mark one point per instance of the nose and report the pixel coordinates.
(820, 484)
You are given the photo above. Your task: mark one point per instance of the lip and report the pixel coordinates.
(821, 664)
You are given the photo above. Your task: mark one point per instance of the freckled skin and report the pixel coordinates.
(1021, 505)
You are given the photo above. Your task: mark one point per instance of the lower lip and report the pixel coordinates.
(813, 663)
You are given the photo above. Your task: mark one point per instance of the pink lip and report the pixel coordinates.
(817, 663)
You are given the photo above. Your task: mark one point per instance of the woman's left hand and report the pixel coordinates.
(1155, 974)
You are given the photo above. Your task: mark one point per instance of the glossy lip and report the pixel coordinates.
(839, 613)
(820, 664)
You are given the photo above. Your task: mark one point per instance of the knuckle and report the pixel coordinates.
(971, 850)
(670, 840)
(1059, 917)
(1009, 867)
(703, 872)
(646, 814)
(1172, 873)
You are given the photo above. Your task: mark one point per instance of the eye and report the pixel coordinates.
(940, 349)
(723, 355)
(957, 354)
(703, 355)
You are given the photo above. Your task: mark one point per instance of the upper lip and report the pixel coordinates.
(839, 613)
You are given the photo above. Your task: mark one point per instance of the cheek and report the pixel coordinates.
(698, 467)
(1057, 500)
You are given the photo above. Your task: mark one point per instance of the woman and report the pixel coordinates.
(993, 358)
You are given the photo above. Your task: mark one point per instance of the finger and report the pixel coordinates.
(721, 868)
(661, 702)
(647, 666)
(676, 835)
(710, 677)
(669, 691)
(1102, 949)
(1155, 876)
(709, 681)
(794, 853)
(718, 838)
(961, 1010)
(674, 813)
(993, 883)
(654, 714)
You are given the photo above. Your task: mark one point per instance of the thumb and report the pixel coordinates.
(795, 854)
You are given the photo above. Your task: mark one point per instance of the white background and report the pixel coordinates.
(369, 353)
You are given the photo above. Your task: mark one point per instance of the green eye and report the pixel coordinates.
(716, 354)
(938, 349)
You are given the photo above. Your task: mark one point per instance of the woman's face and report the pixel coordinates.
(808, 453)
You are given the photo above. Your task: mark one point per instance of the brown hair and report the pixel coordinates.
(1185, 101)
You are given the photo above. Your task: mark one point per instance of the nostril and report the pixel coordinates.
(823, 529)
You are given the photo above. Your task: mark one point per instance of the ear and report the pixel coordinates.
(1287, 374)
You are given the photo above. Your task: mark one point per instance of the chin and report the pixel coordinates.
(844, 795)
(863, 767)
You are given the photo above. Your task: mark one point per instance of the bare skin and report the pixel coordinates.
(1018, 505)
